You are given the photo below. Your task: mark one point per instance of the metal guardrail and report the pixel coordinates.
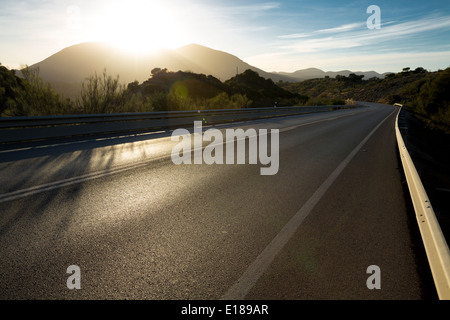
(436, 247)
(16, 129)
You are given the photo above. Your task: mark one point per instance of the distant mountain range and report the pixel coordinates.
(314, 73)
(68, 68)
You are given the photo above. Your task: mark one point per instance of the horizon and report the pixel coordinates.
(144, 54)
(162, 49)
(282, 36)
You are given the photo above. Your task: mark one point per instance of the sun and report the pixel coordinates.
(140, 26)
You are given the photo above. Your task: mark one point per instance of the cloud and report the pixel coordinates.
(413, 43)
(294, 36)
(380, 62)
(343, 28)
(356, 35)
(248, 9)
(340, 29)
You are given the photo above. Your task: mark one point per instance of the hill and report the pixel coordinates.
(68, 68)
(423, 92)
(163, 90)
(315, 73)
(168, 90)
(356, 87)
(263, 92)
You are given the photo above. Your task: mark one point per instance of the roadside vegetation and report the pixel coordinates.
(424, 93)
(165, 90)
(28, 95)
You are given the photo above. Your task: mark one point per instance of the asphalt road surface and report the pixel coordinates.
(139, 226)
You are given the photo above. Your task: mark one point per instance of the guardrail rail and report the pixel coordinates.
(436, 247)
(16, 129)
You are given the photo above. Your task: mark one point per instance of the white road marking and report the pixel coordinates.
(246, 282)
(74, 180)
(94, 175)
(79, 142)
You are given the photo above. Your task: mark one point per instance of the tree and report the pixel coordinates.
(155, 71)
(240, 101)
(101, 94)
(221, 101)
(434, 95)
(9, 83)
(158, 72)
(35, 97)
(355, 78)
(133, 86)
(390, 76)
(420, 70)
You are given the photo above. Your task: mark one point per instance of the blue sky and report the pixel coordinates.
(271, 35)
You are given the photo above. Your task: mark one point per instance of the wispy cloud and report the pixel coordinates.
(356, 35)
(379, 61)
(247, 9)
(266, 6)
(343, 28)
(294, 36)
(340, 29)
(258, 7)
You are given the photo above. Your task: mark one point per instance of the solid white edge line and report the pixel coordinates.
(74, 180)
(252, 274)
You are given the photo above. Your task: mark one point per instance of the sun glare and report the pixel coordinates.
(140, 26)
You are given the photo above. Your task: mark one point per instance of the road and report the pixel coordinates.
(140, 227)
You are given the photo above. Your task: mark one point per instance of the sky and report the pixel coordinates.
(331, 35)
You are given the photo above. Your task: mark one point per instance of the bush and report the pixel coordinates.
(102, 94)
(32, 97)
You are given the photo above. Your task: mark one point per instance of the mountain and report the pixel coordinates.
(314, 73)
(220, 64)
(68, 68)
